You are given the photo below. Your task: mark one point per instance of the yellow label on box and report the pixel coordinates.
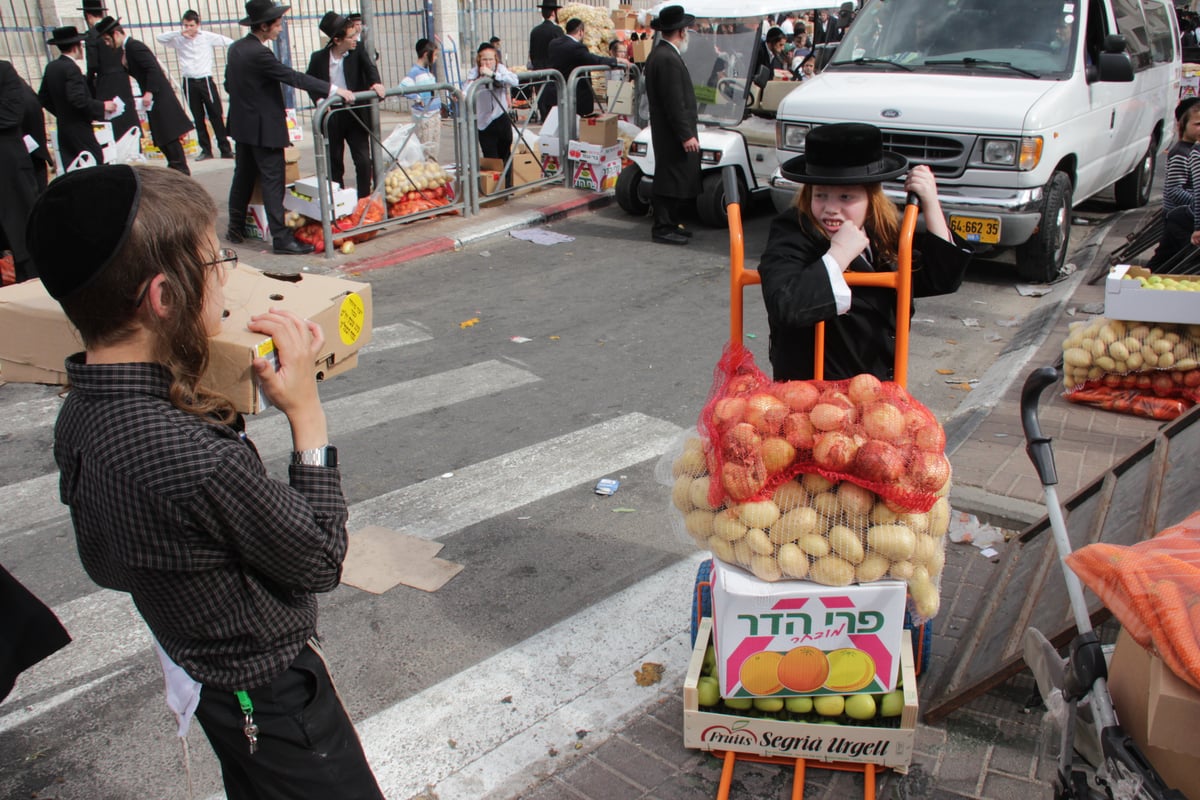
(350, 318)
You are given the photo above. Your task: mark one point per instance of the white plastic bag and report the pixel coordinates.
(403, 146)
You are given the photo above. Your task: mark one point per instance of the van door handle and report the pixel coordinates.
(1112, 120)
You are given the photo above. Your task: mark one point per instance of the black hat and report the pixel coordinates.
(333, 24)
(484, 46)
(101, 202)
(672, 18)
(1185, 104)
(354, 16)
(107, 25)
(549, 4)
(93, 7)
(65, 36)
(844, 154)
(262, 11)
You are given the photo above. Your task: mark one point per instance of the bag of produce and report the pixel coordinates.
(1138, 402)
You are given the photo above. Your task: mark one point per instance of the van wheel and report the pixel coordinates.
(710, 205)
(1041, 258)
(628, 191)
(1133, 191)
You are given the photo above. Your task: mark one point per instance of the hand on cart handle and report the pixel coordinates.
(1036, 445)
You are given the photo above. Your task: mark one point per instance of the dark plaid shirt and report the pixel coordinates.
(220, 559)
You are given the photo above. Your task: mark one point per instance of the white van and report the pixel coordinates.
(1020, 108)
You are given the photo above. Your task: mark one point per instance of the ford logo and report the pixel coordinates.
(889, 113)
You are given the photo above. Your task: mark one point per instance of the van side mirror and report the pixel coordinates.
(1115, 68)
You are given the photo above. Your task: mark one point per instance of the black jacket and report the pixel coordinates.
(64, 93)
(361, 74)
(672, 101)
(107, 78)
(566, 54)
(252, 80)
(168, 120)
(539, 43)
(16, 169)
(797, 294)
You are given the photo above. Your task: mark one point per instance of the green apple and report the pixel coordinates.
(769, 704)
(710, 661)
(798, 705)
(860, 706)
(739, 703)
(892, 704)
(708, 691)
(830, 705)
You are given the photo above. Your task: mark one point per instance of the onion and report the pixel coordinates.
(742, 443)
(741, 384)
(799, 395)
(729, 411)
(798, 430)
(828, 417)
(885, 422)
(766, 413)
(777, 454)
(931, 438)
(743, 481)
(864, 389)
(928, 471)
(879, 461)
(834, 451)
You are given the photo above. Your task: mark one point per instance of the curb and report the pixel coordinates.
(442, 244)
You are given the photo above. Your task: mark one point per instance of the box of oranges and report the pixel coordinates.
(796, 638)
(796, 727)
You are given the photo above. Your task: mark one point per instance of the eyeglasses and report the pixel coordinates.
(227, 259)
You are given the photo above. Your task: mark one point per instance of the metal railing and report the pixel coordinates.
(390, 161)
(529, 80)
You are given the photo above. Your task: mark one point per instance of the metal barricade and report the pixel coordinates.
(333, 104)
(528, 80)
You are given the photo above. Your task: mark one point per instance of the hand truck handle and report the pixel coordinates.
(1036, 445)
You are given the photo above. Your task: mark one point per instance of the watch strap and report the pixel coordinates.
(316, 457)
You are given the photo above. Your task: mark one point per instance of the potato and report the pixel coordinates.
(794, 524)
(691, 460)
(728, 526)
(698, 493)
(765, 568)
(872, 568)
(790, 495)
(917, 523)
(1118, 351)
(681, 494)
(901, 570)
(816, 546)
(882, 515)
(939, 517)
(792, 560)
(926, 599)
(721, 549)
(815, 484)
(827, 504)
(832, 571)
(854, 499)
(896, 542)
(926, 550)
(846, 544)
(699, 523)
(759, 542)
(742, 553)
(761, 514)
(1077, 357)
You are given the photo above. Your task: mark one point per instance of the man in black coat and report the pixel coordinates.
(16, 171)
(257, 122)
(33, 125)
(566, 54)
(64, 93)
(541, 36)
(672, 102)
(106, 75)
(346, 66)
(168, 121)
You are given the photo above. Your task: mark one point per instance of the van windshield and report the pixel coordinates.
(1028, 39)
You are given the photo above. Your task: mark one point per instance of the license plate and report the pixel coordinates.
(985, 230)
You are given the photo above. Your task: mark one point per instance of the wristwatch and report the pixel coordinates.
(317, 457)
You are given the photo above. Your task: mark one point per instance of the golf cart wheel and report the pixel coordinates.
(629, 191)
(710, 205)
(1041, 259)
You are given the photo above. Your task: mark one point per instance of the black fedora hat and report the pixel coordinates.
(107, 25)
(333, 24)
(65, 36)
(549, 4)
(262, 11)
(844, 154)
(672, 18)
(93, 7)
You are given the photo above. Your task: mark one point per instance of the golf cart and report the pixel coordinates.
(734, 129)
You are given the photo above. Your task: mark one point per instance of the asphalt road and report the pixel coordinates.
(503, 381)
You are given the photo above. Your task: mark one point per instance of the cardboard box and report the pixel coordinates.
(596, 177)
(526, 166)
(862, 624)
(620, 98)
(257, 225)
(774, 92)
(624, 18)
(551, 154)
(490, 174)
(1159, 711)
(600, 130)
(592, 153)
(641, 50)
(1128, 300)
(295, 132)
(36, 337)
(344, 201)
(815, 741)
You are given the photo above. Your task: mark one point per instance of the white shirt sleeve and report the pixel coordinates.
(167, 38)
(841, 289)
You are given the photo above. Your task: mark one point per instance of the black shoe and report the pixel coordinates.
(227, 154)
(291, 247)
(204, 157)
(669, 238)
(235, 236)
(682, 231)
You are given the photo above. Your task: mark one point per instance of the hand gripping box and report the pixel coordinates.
(799, 638)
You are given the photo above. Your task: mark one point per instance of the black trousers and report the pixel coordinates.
(1176, 235)
(346, 129)
(263, 165)
(203, 100)
(666, 213)
(307, 746)
(496, 139)
(172, 149)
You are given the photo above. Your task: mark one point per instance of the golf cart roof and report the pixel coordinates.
(754, 8)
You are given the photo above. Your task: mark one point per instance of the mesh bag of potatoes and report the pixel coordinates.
(1143, 368)
(757, 493)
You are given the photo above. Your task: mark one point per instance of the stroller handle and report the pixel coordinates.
(1036, 445)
